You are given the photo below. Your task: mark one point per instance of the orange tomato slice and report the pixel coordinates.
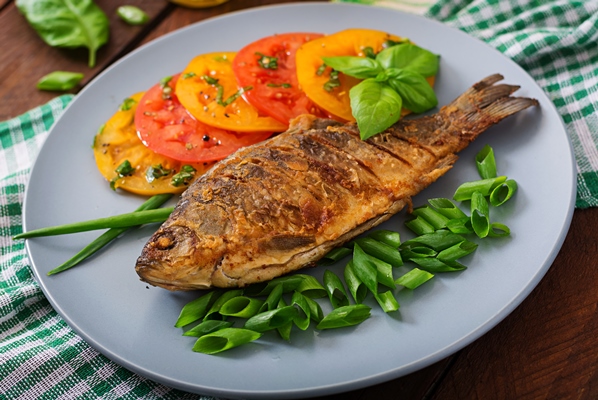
(350, 42)
(198, 91)
(117, 141)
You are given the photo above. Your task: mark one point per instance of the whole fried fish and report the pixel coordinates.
(280, 205)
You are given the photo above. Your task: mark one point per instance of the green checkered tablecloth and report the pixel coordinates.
(556, 41)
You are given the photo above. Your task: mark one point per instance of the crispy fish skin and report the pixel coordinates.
(278, 206)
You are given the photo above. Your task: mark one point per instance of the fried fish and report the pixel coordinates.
(278, 206)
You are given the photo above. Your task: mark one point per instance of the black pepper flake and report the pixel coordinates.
(206, 138)
(226, 115)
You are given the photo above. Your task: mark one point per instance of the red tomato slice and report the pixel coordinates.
(167, 128)
(268, 66)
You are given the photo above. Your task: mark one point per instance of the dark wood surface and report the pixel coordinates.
(546, 349)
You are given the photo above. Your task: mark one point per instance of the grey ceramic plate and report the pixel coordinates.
(104, 301)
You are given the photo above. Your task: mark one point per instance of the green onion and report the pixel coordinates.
(315, 311)
(102, 240)
(480, 215)
(356, 287)
(460, 225)
(414, 278)
(196, 309)
(335, 289)
(272, 319)
(419, 226)
(214, 311)
(273, 298)
(364, 269)
(387, 301)
(438, 240)
(409, 253)
(457, 251)
(447, 208)
(311, 288)
(436, 265)
(118, 221)
(207, 327)
(303, 318)
(502, 193)
(390, 238)
(384, 272)
(241, 306)
(486, 163)
(499, 230)
(345, 316)
(224, 339)
(334, 255)
(484, 186)
(285, 330)
(381, 251)
(433, 217)
(289, 284)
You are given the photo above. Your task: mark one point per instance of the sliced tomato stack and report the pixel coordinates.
(223, 101)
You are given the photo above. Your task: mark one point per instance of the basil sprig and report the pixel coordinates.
(68, 23)
(394, 79)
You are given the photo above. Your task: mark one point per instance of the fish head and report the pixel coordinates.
(176, 259)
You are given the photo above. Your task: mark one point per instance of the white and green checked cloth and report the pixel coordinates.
(556, 41)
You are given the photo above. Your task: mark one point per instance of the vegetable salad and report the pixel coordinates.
(160, 140)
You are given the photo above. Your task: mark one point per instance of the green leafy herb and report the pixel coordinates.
(393, 79)
(127, 104)
(68, 23)
(375, 106)
(189, 75)
(132, 15)
(220, 91)
(267, 62)
(156, 172)
(59, 81)
(185, 175)
(124, 169)
(332, 82)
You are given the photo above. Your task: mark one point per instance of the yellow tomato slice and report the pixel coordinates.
(117, 141)
(198, 91)
(350, 42)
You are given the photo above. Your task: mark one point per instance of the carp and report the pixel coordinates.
(280, 205)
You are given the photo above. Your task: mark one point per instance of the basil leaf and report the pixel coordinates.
(375, 106)
(417, 94)
(59, 80)
(68, 23)
(132, 15)
(358, 67)
(410, 57)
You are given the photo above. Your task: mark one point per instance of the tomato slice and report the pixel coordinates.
(268, 66)
(312, 79)
(117, 143)
(208, 89)
(166, 127)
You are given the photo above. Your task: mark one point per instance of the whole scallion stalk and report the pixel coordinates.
(111, 234)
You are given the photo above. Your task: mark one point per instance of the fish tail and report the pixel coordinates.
(485, 104)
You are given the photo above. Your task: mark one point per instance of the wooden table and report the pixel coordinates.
(546, 349)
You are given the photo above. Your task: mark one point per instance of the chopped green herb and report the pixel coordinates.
(127, 104)
(333, 81)
(189, 75)
(369, 52)
(156, 172)
(267, 62)
(124, 169)
(282, 85)
(184, 176)
(321, 70)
